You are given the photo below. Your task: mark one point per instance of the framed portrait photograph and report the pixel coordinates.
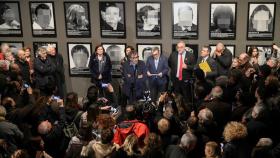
(112, 19)
(222, 21)
(10, 19)
(193, 48)
(46, 45)
(42, 16)
(77, 19)
(116, 53)
(185, 20)
(145, 50)
(14, 45)
(261, 19)
(78, 57)
(264, 52)
(148, 20)
(231, 48)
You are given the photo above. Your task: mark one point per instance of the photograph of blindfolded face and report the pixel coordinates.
(77, 19)
(42, 16)
(261, 20)
(79, 55)
(223, 21)
(148, 19)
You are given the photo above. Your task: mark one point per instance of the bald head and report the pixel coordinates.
(217, 92)
(44, 127)
(220, 47)
(205, 115)
(243, 58)
(21, 54)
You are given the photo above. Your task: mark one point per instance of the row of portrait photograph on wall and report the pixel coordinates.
(79, 53)
(185, 21)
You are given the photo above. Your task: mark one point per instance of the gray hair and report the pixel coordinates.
(188, 141)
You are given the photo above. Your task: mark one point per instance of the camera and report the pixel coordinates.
(25, 85)
(55, 97)
(104, 85)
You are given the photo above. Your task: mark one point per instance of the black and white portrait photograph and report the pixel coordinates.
(261, 21)
(112, 19)
(185, 20)
(10, 19)
(148, 20)
(223, 21)
(192, 48)
(116, 53)
(264, 52)
(42, 19)
(79, 55)
(77, 19)
(231, 48)
(46, 45)
(14, 46)
(145, 50)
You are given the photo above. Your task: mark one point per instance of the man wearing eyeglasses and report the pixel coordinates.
(181, 63)
(134, 77)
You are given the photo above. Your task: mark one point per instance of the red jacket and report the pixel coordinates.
(126, 128)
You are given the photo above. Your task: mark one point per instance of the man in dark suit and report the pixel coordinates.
(157, 71)
(223, 58)
(181, 63)
(204, 57)
(134, 76)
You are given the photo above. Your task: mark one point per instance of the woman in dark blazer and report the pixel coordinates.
(100, 67)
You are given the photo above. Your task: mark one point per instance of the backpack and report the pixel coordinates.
(70, 130)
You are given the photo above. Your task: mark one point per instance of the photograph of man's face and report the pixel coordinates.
(42, 16)
(112, 16)
(185, 16)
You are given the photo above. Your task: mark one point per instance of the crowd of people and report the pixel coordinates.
(215, 106)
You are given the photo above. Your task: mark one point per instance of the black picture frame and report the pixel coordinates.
(84, 47)
(187, 9)
(221, 27)
(116, 53)
(152, 8)
(254, 31)
(106, 28)
(14, 27)
(230, 47)
(14, 45)
(72, 28)
(145, 50)
(37, 29)
(44, 44)
(192, 48)
(265, 52)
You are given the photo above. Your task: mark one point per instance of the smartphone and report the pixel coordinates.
(25, 85)
(55, 97)
(104, 85)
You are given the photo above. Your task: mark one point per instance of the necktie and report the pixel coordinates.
(181, 67)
